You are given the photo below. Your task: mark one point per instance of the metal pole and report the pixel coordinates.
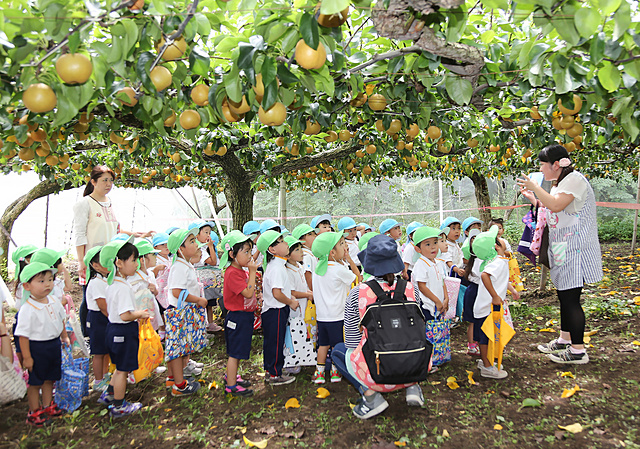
(544, 275)
(46, 222)
(216, 219)
(635, 218)
(440, 200)
(282, 203)
(195, 202)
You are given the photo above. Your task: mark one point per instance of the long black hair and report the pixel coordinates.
(472, 259)
(553, 153)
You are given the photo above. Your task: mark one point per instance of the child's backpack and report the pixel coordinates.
(396, 350)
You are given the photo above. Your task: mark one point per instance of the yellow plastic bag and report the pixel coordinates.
(150, 352)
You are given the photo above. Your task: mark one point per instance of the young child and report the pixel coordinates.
(471, 223)
(161, 274)
(307, 234)
(276, 291)
(270, 225)
(21, 258)
(409, 256)
(499, 222)
(300, 346)
(208, 240)
(62, 283)
(322, 223)
(142, 282)
(426, 274)
(40, 330)
(514, 268)
(331, 284)
(122, 337)
(491, 293)
(442, 249)
(182, 276)
(362, 245)
(348, 226)
(453, 256)
(392, 228)
(97, 316)
(472, 277)
(240, 301)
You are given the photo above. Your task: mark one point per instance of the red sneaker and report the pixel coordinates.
(38, 418)
(53, 410)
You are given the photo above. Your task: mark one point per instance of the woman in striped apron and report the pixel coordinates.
(574, 249)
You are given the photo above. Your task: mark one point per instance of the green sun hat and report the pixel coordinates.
(22, 252)
(466, 246)
(265, 240)
(88, 257)
(291, 240)
(108, 255)
(177, 238)
(47, 256)
(302, 229)
(228, 242)
(425, 232)
(144, 248)
(322, 245)
(484, 246)
(34, 268)
(364, 240)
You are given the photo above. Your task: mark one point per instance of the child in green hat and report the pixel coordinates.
(276, 294)
(426, 274)
(142, 282)
(331, 284)
(492, 292)
(184, 246)
(307, 234)
(239, 295)
(120, 257)
(40, 330)
(97, 316)
(300, 347)
(21, 258)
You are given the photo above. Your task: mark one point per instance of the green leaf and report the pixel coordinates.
(588, 20)
(268, 71)
(621, 105)
(199, 62)
(204, 26)
(270, 95)
(233, 85)
(285, 75)
(609, 6)
(330, 7)
(530, 402)
(496, 4)
(609, 77)
(597, 49)
(566, 28)
(309, 30)
(622, 19)
(74, 42)
(142, 70)
(457, 21)
(245, 56)
(459, 89)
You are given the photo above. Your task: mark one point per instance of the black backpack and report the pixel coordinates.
(396, 350)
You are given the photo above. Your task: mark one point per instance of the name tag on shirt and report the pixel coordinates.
(118, 339)
(231, 325)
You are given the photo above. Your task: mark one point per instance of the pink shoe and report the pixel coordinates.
(473, 349)
(213, 327)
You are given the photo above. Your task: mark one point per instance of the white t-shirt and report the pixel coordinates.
(299, 284)
(309, 261)
(120, 299)
(41, 322)
(331, 290)
(575, 185)
(474, 274)
(182, 275)
(97, 288)
(58, 288)
(352, 246)
(275, 276)
(442, 266)
(453, 254)
(428, 272)
(498, 269)
(409, 255)
(5, 294)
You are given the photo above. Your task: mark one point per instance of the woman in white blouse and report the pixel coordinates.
(574, 249)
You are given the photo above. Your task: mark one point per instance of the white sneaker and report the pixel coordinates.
(189, 371)
(193, 364)
(493, 372)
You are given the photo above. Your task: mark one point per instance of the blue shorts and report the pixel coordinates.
(97, 330)
(123, 341)
(330, 333)
(47, 361)
(478, 334)
(469, 301)
(238, 330)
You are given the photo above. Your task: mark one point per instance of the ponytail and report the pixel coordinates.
(389, 278)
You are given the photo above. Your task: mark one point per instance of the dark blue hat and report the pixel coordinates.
(381, 256)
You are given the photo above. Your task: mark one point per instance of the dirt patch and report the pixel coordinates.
(486, 414)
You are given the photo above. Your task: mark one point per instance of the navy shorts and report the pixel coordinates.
(330, 333)
(47, 361)
(478, 334)
(16, 339)
(469, 302)
(238, 330)
(123, 341)
(97, 329)
(427, 315)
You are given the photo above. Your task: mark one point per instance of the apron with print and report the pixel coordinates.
(574, 249)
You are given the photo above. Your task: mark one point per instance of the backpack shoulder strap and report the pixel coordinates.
(401, 285)
(380, 293)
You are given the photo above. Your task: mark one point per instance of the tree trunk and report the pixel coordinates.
(13, 211)
(482, 196)
(240, 201)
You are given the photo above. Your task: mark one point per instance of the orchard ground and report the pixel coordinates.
(525, 410)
